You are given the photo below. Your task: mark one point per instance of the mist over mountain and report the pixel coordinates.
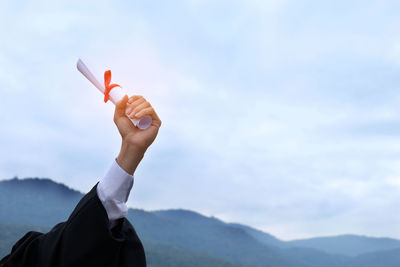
(179, 237)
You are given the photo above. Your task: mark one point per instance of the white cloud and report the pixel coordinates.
(277, 114)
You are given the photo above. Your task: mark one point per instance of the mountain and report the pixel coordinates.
(186, 238)
(206, 235)
(386, 258)
(350, 245)
(36, 201)
(261, 236)
(347, 245)
(159, 254)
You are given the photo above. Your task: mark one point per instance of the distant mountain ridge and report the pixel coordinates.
(188, 234)
(351, 245)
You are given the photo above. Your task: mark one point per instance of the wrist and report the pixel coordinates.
(129, 157)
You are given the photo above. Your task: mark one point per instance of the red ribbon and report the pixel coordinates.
(107, 85)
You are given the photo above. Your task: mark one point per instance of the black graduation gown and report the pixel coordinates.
(83, 240)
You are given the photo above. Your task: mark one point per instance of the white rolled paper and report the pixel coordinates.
(116, 94)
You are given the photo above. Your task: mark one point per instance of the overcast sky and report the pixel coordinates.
(283, 115)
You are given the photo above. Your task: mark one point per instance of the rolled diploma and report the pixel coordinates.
(116, 94)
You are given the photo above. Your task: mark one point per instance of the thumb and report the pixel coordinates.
(120, 107)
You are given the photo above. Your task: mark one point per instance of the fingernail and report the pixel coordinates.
(137, 114)
(128, 110)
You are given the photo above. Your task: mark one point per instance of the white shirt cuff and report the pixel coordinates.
(113, 191)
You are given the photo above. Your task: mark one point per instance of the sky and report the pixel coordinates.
(282, 115)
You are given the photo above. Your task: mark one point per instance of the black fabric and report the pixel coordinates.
(83, 240)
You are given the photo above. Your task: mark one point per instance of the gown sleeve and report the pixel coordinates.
(85, 239)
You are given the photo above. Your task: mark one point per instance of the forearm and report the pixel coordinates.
(129, 157)
(114, 188)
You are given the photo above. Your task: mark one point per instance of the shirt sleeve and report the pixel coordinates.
(113, 191)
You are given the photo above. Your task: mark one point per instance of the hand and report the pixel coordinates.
(134, 140)
(136, 107)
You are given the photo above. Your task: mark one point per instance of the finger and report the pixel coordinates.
(139, 108)
(133, 98)
(149, 111)
(132, 106)
(120, 107)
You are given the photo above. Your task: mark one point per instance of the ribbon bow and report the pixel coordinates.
(107, 85)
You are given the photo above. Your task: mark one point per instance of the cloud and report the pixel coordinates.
(279, 114)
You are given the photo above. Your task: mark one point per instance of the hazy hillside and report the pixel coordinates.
(387, 258)
(187, 238)
(10, 233)
(211, 236)
(159, 254)
(261, 236)
(350, 245)
(36, 201)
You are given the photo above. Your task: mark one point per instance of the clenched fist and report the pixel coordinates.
(134, 140)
